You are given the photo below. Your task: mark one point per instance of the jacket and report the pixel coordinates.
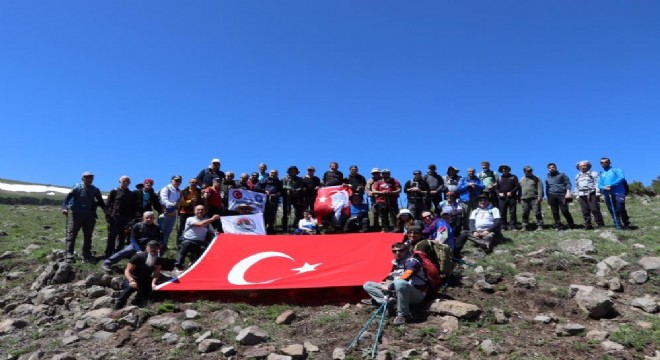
(614, 178)
(557, 184)
(464, 190)
(531, 187)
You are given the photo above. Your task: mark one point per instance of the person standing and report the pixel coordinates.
(146, 198)
(531, 196)
(292, 186)
(436, 189)
(82, 202)
(311, 186)
(588, 193)
(170, 196)
(416, 191)
(272, 187)
(558, 191)
(375, 177)
(469, 189)
(206, 176)
(612, 184)
(507, 192)
(121, 205)
(333, 177)
(356, 181)
(489, 179)
(387, 192)
(191, 196)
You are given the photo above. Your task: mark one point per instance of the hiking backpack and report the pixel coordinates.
(433, 276)
(443, 253)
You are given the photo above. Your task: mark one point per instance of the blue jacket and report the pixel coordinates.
(464, 189)
(614, 178)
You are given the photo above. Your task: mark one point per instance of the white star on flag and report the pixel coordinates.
(306, 268)
(322, 199)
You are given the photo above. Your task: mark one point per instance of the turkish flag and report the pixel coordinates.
(333, 199)
(239, 262)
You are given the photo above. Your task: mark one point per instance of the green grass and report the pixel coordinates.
(632, 336)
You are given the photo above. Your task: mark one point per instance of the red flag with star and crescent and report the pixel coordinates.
(240, 262)
(332, 199)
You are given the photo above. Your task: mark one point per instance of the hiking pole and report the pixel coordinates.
(366, 326)
(379, 332)
(610, 205)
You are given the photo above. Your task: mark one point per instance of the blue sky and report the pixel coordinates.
(156, 88)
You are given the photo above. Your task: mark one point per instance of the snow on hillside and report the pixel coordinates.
(41, 189)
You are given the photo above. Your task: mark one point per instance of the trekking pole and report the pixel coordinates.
(379, 332)
(66, 228)
(380, 309)
(610, 205)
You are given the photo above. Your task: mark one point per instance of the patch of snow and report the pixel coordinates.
(49, 190)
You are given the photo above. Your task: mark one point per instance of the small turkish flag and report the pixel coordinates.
(239, 262)
(332, 199)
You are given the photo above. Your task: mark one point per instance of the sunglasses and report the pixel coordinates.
(394, 251)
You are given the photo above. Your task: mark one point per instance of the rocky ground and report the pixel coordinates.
(573, 294)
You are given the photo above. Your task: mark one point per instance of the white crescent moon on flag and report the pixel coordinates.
(236, 275)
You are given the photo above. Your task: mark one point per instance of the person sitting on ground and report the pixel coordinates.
(416, 242)
(484, 227)
(196, 236)
(438, 228)
(359, 220)
(308, 225)
(405, 220)
(406, 284)
(457, 209)
(141, 233)
(142, 274)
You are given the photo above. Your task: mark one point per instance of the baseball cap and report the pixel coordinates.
(153, 243)
(176, 177)
(148, 181)
(87, 173)
(215, 161)
(375, 170)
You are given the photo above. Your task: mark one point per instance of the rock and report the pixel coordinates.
(488, 347)
(647, 303)
(455, 308)
(251, 335)
(338, 354)
(650, 264)
(615, 263)
(257, 352)
(22, 310)
(102, 335)
(226, 318)
(309, 347)
(447, 326)
(407, 354)
(63, 274)
(588, 259)
(638, 246)
(483, 285)
(93, 279)
(278, 357)
(597, 335)
(578, 247)
(286, 317)
(102, 302)
(190, 326)
(191, 314)
(96, 291)
(536, 262)
(209, 345)
(609, 235)
(524, 280)
(205, 335)
(7, 254)
(492, 277)
(70, 340)
(545, 319)
(569, 329)
(594, 302)
(170, 338)
(9, 325)
(443, 353)
(614, 284)
(228, 351)
(608, 345)
(384, 355)
(163, 322)
(31, 248)
(53, 295)
(540, 252)
(500, 316)
(638, 277)
(14, 275)
(63, 356)
(98, 314)
(295, 351)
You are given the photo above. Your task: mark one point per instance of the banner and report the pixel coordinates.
(239, 196)
(332, 199)
(238, 262)
(252, 224)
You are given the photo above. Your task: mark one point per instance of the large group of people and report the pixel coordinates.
(450, 208)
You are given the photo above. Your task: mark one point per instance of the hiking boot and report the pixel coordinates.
(399, 320)
(588, 227)
(369, 301)
(106, 267)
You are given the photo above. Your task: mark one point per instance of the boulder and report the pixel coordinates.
(455, 308)
(251, 335)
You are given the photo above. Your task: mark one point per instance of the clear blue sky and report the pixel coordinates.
(156, 88)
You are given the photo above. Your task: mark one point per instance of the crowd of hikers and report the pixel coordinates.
(440, 209)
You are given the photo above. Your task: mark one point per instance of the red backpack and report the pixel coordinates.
(433, 275)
